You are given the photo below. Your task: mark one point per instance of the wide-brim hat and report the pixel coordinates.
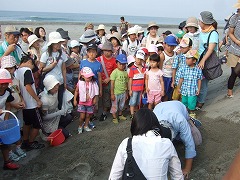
(237, 5)
(192, 22)
(207, 18)
(88, 35)
(55, 37)
(74, 43)
(49, 82)
(63, 33)
(107, 46)
(32, 39)
(5, 76)
(12, 29)
(8, 62)
(117, 36)
(139, 29)
(100, 27)
(152, 24)
(132, 30)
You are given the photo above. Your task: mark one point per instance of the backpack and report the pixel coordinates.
(131, 170)
(129, 42)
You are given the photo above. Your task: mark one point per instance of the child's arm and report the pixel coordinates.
(75, 96)
(7, 107)
(199, 86)
(180, 85)
(33, 94)
(162, 86)
(146, 84)
(64, 75)
(173, 77)
(130, 86)
(100, 84)
(112, 90)
(162, 58)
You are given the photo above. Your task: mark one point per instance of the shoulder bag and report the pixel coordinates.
(131, 170)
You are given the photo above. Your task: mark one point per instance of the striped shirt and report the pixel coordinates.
(138, 78)
(235, 23)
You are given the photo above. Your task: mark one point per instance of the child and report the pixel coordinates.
(86, 91)
(130, 62)
(119, 83)
(9, 63)
(190, 82)
(166, 60)
(154, 82)
(96, 68)
(178, 63)
(5, 99)
(31, 116)
(108, 65)
(131, 44)
(136, 81)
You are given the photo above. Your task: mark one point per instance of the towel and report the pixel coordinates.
(93, 90)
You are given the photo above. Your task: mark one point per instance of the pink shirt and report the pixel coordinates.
(154, 80)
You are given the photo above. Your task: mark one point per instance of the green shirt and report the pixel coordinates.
(120, 79)
(14, 54)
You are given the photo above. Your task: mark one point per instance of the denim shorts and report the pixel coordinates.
(86, 109)
(119, 103)
(135, 98)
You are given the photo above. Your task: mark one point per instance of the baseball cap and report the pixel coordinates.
(8, 62)
(145, 51)
(171, 40)
(185, 42)
(92, 46)
(5, 76)
(140, 54)
(12, 29)
(130, 59)
(192, 53)
(180, 34)
(87, 72)
(152, 48)
(122, 58)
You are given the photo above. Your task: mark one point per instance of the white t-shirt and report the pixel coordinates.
(57, 70)
(148, 40)
(130, 48)
(6, 97)
(25, 76)
(15, 88)
(155, 156)
(167, 65)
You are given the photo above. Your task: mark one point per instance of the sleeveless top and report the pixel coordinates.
(167, 65)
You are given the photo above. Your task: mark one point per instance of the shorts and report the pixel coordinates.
(86, 109)
(135, 98)
(176, 95)
(154, 97)
(119, 103)
(32, 117)
(190, 102)
(168, 87)
(106, 96)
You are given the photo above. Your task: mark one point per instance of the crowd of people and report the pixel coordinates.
(41, 81)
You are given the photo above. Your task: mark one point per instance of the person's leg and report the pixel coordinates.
(60, 96)
(8, 165)
(106, 102)
(231, 82)
(65, 120)
(87, 119)
(114, 109)
(185, 100)
(150, 98)
(133, 102)
(192, 102)
(203, 92)
(121, 102)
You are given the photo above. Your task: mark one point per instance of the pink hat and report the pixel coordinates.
(8, 62)
(87, 72)
(5, 76)
(152, 48)
(130, 59)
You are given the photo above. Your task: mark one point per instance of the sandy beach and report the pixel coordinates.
(90, 155)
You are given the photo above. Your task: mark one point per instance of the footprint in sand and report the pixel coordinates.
(79, 171)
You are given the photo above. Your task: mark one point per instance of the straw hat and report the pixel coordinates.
(32, 39)
(117, 36)
(12, 29)
(192, 22)
(55, 37)
(101, 26)
(152, 24)
(237, 5)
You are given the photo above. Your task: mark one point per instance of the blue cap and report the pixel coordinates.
(122, 58)
(171, 40)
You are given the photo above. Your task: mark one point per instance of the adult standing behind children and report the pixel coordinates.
(131, 44)
(123, 26)
(152, 37)
(206, 23)
(115, 39)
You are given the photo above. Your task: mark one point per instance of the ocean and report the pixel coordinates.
(22, 16)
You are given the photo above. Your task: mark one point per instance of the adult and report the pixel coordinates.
(9, 45)
(115, 39)
(66, 38)
(88, 25)
(41, 33)
(53, 118)
(123, 26)
(174, 115)
(152, 37)
(52, 62)
(25, 33)
(153, 154)
(207, 24)
(101, 34)
(234, 48)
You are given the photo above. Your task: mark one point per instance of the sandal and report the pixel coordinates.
(229, 96)
(199, 106)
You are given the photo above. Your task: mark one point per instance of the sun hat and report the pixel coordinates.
(12, 30)
(140, 54)
(192, 53)
(182, 25)
(152, 48)
(117, 36)
(152, 24)
(145, 50)
(54, 37)
(237, 5)
(63, 33)
(74, 43)
(87, 72)
(114, 28)
(185, 42)
(5, 76)
(192, 22)
(88, 35)
(8, 62)
(131, 30)
(49, 82)
(206, 17)
(32, 39)
(171, 40)
(122, 58)
(180, 34)
(139, 29)
(89, 25)
(130, 59)
(107, 46)
(101, 26)
(92, 46)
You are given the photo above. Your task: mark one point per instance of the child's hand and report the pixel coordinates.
(126, 97)
(23, 104)
(39, 103)
(172, 85)
(105, 81)
(197, 93)
(179, 90)
(162, 93)
(130, 93)
(147, 90)
(112, 97)
(94, 101)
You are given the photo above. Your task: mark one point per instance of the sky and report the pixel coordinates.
(153, 8)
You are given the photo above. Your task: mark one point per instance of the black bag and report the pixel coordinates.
(212, 67)
(131, 170)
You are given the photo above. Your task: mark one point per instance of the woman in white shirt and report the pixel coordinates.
(154, 155)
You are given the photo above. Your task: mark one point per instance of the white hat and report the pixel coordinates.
(152, 48)
(140, 54)
(139, 29)
(74, 43)
(5, 76)
(87, 36)
(68, 95)
(49, 82)
(54, 37)
(8, 62)
(32, 39)
(101, 26)
(130, 59)
(132, 30)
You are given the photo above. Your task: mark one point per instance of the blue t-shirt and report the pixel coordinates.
(203, 37)
(95, 66)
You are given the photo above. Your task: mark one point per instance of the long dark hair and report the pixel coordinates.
(50, 51)
(143, 121)
(36, 32)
